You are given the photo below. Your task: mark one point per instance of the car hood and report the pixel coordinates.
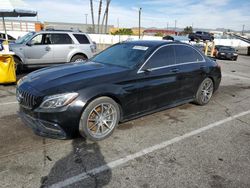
(70, 77)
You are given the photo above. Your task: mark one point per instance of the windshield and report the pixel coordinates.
(227, 49)
(124, 55)
(25, 38)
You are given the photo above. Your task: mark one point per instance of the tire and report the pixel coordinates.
(205, 92)
(99, 119)
(78, 58)
(18, 65)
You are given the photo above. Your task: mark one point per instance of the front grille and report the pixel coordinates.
(26, 99)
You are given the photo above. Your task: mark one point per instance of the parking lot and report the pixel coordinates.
(186, 146)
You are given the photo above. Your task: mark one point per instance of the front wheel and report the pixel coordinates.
(99, 119)
(204, 92)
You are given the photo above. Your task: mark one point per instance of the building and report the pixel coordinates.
(164, 32)
(86, 28)
(27, 26)
(21, 25)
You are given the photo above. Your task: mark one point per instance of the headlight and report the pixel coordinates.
(20, 81)
(57, 101)
(222, 53)
(235, 54)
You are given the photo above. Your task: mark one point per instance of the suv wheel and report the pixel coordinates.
(78, 58)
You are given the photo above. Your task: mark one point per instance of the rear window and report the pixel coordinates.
(82, 39)
(186, 54)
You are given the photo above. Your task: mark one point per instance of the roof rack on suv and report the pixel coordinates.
(65, 30)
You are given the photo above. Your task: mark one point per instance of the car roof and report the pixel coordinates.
(152, 43)
(55, 31)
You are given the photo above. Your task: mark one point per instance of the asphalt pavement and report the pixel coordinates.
(186, 146)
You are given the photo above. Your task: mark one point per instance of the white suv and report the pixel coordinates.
(44, 48)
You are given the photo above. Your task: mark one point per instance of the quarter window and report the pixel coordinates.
(185, 54)
(82, 39)
(163, 57)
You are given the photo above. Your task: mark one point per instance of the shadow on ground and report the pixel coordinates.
(85, 156)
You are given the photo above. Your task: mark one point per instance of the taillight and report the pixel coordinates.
(93, 47)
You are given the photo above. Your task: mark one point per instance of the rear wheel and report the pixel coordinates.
(99, 119)
(78, 58)
(205, 92)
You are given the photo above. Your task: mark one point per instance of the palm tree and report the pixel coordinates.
(92, 14)
(107, 16)
(99, 15)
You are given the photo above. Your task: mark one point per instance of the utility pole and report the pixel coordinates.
(167, 25)
(86, 17)
(175, 23)
(140, 22)
(243, 28)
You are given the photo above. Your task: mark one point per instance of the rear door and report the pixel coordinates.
(83, 44)
(36, 51)
(158, 80)
(61, 44)
(192, 68)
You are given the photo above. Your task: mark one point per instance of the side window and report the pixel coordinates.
(81, 38)
(185, 54)
(37, 40)
(163, 57)
(58, 39)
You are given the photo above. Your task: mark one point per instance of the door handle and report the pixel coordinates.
(175, 70)
(202, 67)
(47, 48)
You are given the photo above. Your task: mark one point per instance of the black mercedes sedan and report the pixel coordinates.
(125, 81)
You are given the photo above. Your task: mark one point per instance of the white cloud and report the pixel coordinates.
(206, 14)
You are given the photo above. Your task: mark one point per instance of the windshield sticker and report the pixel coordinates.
(144, 48)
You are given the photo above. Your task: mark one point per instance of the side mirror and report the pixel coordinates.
(146, 70)
(29, 43)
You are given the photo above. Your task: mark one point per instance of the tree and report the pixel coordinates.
(188, 30)
(159, 34)
(99, 16)
(107, 16)
(92, 14)
(123, 32)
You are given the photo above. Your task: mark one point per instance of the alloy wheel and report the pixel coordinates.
(101, 120)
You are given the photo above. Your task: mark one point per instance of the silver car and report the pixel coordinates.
(40, 49)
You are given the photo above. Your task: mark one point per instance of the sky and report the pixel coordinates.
(210, 14)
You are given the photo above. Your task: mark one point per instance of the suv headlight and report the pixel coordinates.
(57, 101)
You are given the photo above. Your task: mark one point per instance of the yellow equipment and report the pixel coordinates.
(7, 69)
(209, 47)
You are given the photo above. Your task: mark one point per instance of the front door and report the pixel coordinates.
(37, 52)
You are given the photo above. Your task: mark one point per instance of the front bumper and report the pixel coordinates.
(43, 128)
(227, 56)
